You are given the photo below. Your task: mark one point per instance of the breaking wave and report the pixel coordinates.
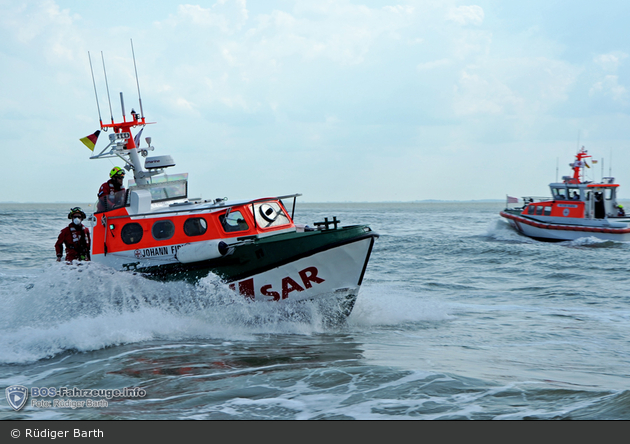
(84, 307)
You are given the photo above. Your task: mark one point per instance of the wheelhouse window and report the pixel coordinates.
(165, 187)
(163, 229)
(574, 193)
(195, 226)
(559, 194)
(270, 214)
(233, 221)
(131, 233)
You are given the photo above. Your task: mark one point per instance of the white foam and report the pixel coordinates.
(90, 307)
(500, 229)
(389, 304)
(590, 241)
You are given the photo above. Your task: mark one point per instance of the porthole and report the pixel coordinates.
(195, 226)
(163, 229)
(131, 233)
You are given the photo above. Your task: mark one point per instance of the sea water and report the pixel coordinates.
(459, 317)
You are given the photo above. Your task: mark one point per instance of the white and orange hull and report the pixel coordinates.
(556, 231)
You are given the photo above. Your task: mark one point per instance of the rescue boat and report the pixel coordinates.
(253, 245)
(577, 208)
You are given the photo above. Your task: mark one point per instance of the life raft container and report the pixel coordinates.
(202, 251)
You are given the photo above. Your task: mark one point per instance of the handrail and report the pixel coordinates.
(211, 207)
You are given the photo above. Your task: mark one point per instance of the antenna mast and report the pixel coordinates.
(137, 83)
(610, 166)
(122, 106)
(578, 142)
(111, 114)
(122, 143)
(95, 93)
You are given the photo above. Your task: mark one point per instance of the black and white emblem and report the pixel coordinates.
(17, 396)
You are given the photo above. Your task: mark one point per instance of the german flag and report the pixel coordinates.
(90, 141)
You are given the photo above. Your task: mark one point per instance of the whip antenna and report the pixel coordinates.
(578, 142)
(122, 105)
(137, 83)
(610, 166)
(95, 94)
(107, 86)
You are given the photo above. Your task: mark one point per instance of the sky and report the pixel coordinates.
(341, 101)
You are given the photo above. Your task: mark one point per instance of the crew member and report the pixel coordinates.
(620, 211)
(75, 237)
(107, 194)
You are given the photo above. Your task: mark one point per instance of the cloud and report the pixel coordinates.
(471, 43)
(611, 61)
(513, 86)
(43, 17)
(228, 16)
(339, 31)
(610, 87)
(608, 84)
(464, 15)
(433, 64)
(311, 80)
(400, 9)
(476, 95)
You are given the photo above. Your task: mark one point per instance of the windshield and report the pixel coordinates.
(165, 187)
(106, 203)
(270, 214)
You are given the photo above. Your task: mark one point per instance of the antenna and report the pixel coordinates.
(610, 166)
(95, 94)
(107, 86)
(557, 169)
(122, 105)
(578, 141)
(137, 83)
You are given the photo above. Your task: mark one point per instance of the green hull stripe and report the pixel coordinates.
(264, 254)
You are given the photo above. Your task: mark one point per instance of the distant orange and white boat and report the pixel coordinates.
(577, 208)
